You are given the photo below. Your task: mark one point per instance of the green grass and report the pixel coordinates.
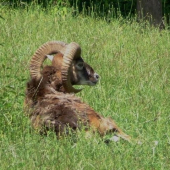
(134, 64)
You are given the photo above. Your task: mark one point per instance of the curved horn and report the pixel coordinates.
(39, 56)
(73, 51)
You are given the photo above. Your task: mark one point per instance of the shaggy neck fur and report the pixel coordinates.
(37, 89)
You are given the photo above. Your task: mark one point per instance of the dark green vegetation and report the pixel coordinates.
(134, 65)
(103, 7)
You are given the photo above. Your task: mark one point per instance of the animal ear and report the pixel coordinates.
(50, 57)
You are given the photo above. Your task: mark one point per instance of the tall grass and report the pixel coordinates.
(134, 64)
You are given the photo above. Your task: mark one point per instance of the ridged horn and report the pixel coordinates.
(39, 56)
(73, 51)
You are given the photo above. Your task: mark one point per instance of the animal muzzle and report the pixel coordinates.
(93, 80)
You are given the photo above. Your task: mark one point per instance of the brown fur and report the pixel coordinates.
(59, 111)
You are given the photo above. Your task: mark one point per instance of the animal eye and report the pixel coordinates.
(80, 66)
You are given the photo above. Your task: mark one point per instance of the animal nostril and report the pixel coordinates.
(96, 76)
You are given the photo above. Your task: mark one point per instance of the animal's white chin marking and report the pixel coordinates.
(89, 83)
(92, 83)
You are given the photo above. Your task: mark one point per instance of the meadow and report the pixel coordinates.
(133, 61)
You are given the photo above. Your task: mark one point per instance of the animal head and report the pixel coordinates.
(68, 61)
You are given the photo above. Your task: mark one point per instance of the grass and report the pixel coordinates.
(134, 64)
